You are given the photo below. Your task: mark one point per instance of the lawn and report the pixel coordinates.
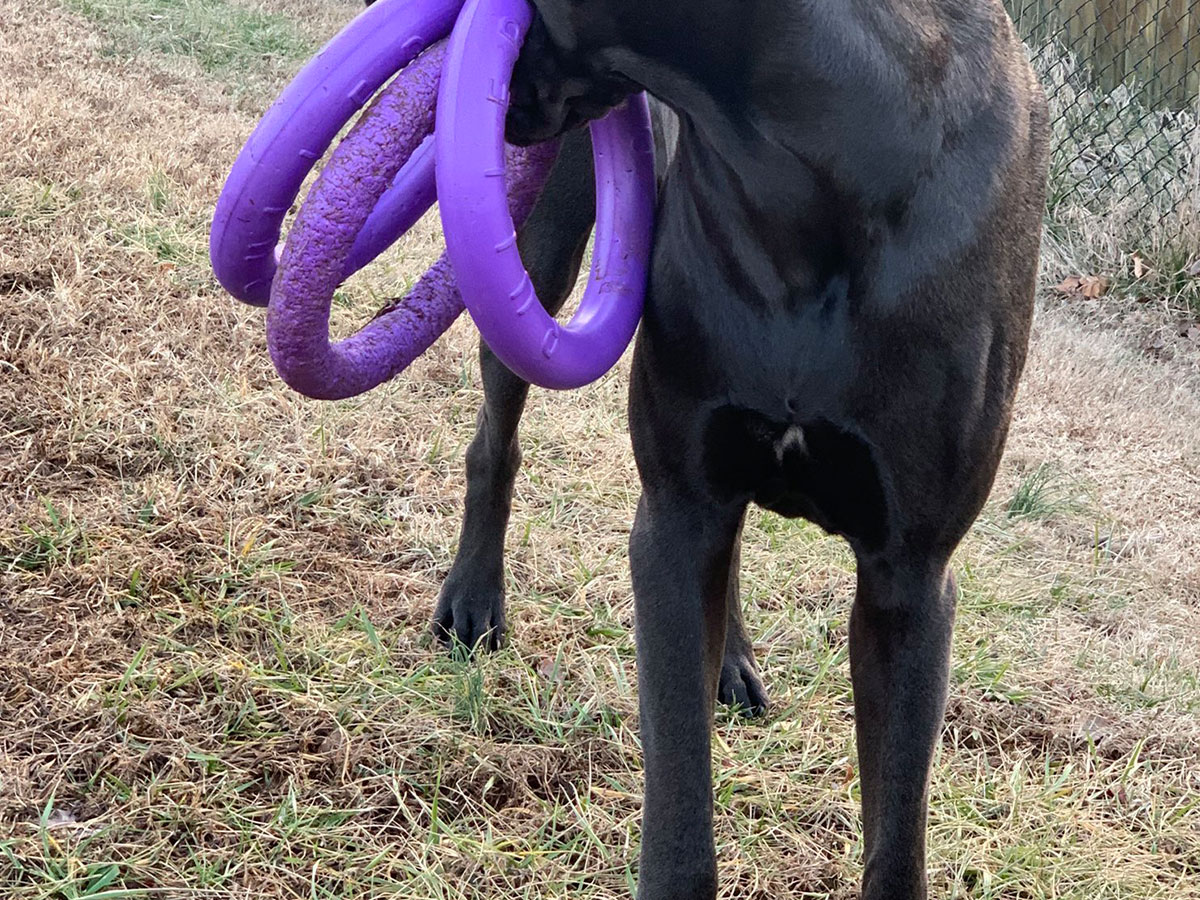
(216, 677)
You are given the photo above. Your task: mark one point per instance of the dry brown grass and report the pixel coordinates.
(1124, 208)
(215, 678)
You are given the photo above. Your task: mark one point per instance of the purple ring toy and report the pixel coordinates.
(381, 180)
(298, 129)
(313, 262)
(481, 239)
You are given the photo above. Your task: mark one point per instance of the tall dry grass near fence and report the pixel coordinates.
(1124, 184)
(1122, 79)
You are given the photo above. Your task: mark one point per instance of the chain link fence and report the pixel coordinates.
(1123, 81)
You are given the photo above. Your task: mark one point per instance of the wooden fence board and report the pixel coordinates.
(1155, 41)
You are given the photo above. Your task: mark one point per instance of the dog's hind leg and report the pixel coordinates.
(470, 609)
(740, 685)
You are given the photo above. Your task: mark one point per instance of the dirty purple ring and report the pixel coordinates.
(360, 205)
(298, 129)
(313, 262)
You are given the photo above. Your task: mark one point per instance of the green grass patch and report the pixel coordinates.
(168, 241)
(1042, 494)
(58, 540)
(226, 40)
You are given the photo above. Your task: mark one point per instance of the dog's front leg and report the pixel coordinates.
(552, 242)
(680, 553)
(900, 633)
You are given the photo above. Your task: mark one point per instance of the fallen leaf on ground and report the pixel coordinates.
(1093, 286)
(549, 669)
(1088, 286)
(1070, 285)
(1139, 266)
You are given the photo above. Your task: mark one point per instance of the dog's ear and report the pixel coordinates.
(555, 89)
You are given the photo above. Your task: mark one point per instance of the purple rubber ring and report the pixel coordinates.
(298, 129)
(313, 262)
(381, 180)
(480, 236)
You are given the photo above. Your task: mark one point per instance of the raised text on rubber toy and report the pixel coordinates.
(298, 129)
(481, 239)
(329, 223)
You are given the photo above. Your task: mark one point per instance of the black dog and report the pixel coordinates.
(837, 318)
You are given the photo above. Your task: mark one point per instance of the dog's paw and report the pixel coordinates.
(741, 686)
(470, 616)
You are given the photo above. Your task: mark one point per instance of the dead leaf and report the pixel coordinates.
(1193, 270)
(332, 742)
(1154, 344)
(549, 669)
(1139, 266)
(1094, 728)
(1093, 286)
(1087, 286)
(1070, 285)
(606, 794)
(1192, 333)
